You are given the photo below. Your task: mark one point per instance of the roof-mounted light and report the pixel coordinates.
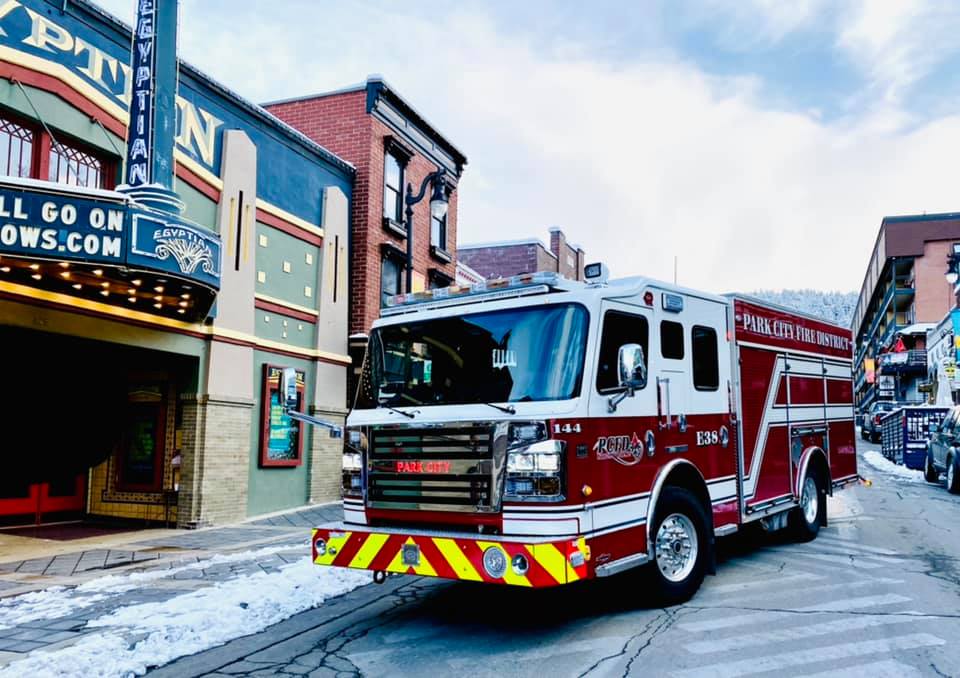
(515, 282)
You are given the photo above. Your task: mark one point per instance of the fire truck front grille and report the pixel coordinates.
(436, 469)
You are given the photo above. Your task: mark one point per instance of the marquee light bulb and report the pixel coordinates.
(158, 288)
(158, 305)
(131, 299)
(34, 267)
(36, 276)
(105, 293)
(5, 269)
(98, 272)
(64, 264)
(137, 282)
(104, 284)
(65, 274)
(181, 311)
(77, 286)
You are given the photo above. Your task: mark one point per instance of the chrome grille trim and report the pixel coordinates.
(461, 467)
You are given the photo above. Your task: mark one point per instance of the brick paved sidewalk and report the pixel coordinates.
(171, 565)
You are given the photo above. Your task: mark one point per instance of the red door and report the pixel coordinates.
(25, 503)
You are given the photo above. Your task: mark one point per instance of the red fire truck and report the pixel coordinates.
(537, 431)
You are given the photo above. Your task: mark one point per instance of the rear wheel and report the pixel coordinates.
(953, 476)
(681, 545)
(930, 473)
(806, 518)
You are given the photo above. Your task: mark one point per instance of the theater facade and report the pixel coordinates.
(142, 345)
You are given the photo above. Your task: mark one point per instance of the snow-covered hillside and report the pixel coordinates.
(834, 306)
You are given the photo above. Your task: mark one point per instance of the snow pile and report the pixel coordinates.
(881, 463)
(59, 601)
(135, 638)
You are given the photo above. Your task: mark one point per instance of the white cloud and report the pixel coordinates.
(898, 42)
(636, 161)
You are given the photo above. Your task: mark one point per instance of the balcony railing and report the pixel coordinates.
(904, 362)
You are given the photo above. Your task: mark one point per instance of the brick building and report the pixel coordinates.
(512, 257)
(903, 286)
(391, 145)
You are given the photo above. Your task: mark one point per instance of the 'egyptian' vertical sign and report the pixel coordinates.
(144, 63)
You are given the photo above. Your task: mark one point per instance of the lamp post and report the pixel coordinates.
(438, 209)
(953, 259)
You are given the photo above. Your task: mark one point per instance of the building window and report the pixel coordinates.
(16, 150)
(671, 340)
(706, 362)
(390, 277)
(618, 329)
(392, 188)
(69, 165)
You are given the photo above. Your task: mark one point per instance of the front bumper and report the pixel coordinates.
(451, 556)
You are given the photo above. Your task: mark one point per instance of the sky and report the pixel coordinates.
(760, 142)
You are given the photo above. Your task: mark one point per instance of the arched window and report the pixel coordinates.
(69, 165)
(16, 150)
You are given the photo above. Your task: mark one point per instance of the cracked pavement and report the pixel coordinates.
(877, 594)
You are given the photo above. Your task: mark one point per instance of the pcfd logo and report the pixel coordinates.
(625, 450)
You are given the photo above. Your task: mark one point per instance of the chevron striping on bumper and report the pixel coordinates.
(371, 547)
(457, 560)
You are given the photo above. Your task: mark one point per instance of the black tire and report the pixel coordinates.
(863, 433)
(678, 504)
(874, 438)
(953, 473)
(803, 526)
(930, 473)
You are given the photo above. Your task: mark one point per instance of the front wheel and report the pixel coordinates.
(930, 473)
(953, 477)
(681, 545)
(806, 518)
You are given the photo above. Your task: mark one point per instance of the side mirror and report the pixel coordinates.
(631, 373)
(632, 367)
(288, 388)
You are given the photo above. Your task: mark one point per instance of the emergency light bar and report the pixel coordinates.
(530, 283)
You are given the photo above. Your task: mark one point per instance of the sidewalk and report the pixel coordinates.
(47, 601)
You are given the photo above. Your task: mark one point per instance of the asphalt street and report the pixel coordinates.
(876, 594)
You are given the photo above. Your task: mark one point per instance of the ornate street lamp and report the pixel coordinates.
(953, 259)
(438, 209)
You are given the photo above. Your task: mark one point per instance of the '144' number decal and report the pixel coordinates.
(566, 428)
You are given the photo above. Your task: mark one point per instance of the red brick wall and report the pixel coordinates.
(500, 261)
(339, 122)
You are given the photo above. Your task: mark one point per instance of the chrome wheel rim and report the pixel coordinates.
(950, 475)
(810, 500)
(676, 547)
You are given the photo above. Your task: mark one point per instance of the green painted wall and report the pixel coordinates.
(289, 285)
(280, 487)
(61, 117)
(285, 329)
(199, 208)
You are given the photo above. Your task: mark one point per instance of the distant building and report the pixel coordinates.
(466, 275)
(512, 257)
(903, 288)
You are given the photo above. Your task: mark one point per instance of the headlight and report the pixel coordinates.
(534, 470)
(352, 461)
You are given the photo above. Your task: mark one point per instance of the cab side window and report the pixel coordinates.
(618, 329)
(706, 361)
(671, 340)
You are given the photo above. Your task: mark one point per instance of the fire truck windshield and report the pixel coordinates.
(512, 355)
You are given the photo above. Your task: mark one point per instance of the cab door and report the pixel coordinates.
(619, 438)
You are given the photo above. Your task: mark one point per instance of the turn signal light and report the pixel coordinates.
(586, 490)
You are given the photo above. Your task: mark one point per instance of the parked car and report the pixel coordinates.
(943, 452)
(870, 429)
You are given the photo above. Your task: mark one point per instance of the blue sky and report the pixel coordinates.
(760, 141)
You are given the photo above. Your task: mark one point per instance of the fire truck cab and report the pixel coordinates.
(536, 431)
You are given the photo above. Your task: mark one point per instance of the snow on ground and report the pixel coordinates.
(131, 639)
(61, 601)
(881, 463)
